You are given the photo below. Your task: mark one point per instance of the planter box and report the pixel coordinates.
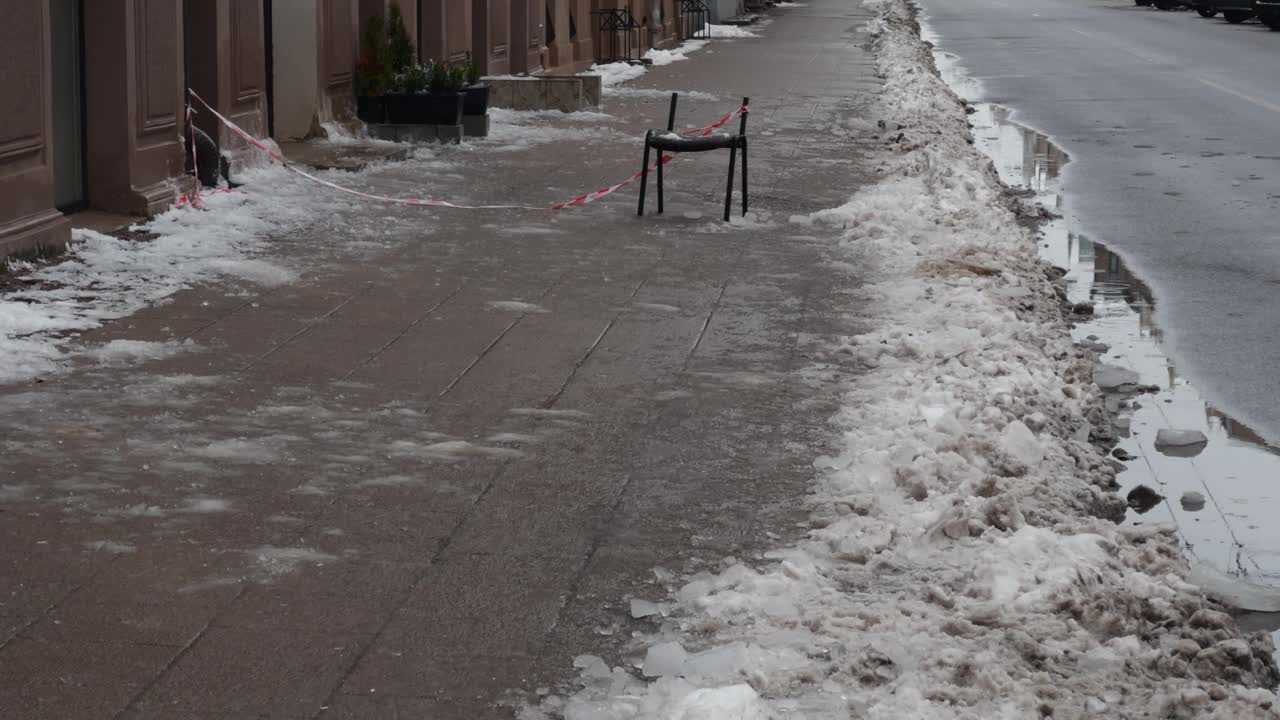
(475, 125)
(477, 100)
(371, 109)
(424, 109)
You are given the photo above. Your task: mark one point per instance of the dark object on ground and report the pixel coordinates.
(1143, 498)
(1236, 11)
(1269, 13)
(671, 141)
(1206, 8)
(209, 160)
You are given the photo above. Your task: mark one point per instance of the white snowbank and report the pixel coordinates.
(523, 128)
(675, 54)
(960, 563)
(733, 31)
(104, 277)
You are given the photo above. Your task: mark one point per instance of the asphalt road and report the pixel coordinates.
(1172, 123)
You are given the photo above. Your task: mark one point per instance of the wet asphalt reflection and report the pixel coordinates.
(1218, 482)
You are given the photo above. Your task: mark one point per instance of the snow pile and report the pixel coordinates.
(961, 563)
(733, 31)
(120, 352)
(616, 73)
(675, 54)
(525, 128)
(104, 277)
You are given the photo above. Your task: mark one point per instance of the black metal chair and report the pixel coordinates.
(669, 140)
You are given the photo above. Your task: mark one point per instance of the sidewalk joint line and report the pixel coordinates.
(573, 372)
(307, 328)
(146, 688)
(706, 322)
(494, 343)
(377, 353)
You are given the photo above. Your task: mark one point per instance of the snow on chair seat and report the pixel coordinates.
(670, 141)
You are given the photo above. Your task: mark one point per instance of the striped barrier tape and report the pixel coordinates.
(429, 202)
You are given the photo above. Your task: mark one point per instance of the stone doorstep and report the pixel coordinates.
(351, 157)
(567, 93)
(417, 133)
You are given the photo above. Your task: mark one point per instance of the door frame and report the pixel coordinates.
(82, 100)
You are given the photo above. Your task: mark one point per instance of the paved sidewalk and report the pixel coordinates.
(420, 480)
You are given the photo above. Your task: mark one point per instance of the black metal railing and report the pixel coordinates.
(695, 20)
(617, 35)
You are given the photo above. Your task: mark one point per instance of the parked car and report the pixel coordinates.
(1269, 13)
(1206, 8)
(1237, 11)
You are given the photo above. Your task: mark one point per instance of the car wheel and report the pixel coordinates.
(1236, 16)
(1207, 11)
(1270, 19)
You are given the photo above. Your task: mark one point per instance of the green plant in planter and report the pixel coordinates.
(473, 71)
(414, 80)
(457, 78)
(439, 80)
(400, 52)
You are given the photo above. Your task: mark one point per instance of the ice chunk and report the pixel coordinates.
(1192, 501)
(644, 608)
(592, 667)
(1110, 377)
(1181, 443)
(664, 659)
(1234, 589)
(739, 702)
(1018, 440)
(721, 662)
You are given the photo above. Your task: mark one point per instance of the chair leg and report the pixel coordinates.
(661, 192)
(728, 191)
(744, 177)
(644, 174)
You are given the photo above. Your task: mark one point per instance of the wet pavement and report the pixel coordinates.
(421, 479)
(1170, 121)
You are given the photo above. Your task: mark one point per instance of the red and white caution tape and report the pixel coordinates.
(196, 200)
(429, 202)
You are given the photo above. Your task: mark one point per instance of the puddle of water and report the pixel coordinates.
(1237, 472)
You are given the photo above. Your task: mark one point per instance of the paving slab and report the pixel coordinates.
(422, 477)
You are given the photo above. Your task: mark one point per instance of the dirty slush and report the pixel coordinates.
(965, 559)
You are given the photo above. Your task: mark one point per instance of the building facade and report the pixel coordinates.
(103, 83)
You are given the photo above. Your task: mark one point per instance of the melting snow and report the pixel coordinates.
(516, 306)
(961, 564)
(281, 561)
(111, 547)
(128, 351)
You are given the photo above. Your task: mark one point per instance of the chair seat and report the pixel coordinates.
(671, 141)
